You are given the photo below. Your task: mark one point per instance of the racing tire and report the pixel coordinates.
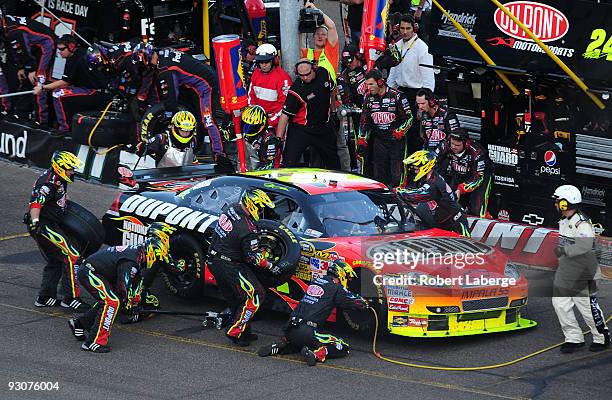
(115, 128)
(81, 226)
(188, 253)
(362, 321)
(285, 250)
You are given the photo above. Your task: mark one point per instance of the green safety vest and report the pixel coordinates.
(323, 62)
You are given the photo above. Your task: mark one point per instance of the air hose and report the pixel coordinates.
(433, 367)
(96, 127)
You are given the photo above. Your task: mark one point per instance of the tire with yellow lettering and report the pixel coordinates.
(363, 321)
(186, 278)
(282, 249)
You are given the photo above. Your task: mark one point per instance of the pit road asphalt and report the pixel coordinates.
(172, 357)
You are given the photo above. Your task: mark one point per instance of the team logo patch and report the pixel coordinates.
(315, 291)
(225, 223)
(550, 158)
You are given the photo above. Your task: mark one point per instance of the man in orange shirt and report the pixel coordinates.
(325, 51)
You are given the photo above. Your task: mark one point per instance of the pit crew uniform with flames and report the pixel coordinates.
(23, 34)
(49, 195)
(234, 248)
(469, 172)
(264, 148)
(435, 129)
(384, 122)
(436, 200)
(118, 278)
(304, 329)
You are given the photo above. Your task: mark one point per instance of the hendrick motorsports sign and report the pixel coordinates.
(578, 32)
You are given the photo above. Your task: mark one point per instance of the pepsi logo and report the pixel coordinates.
(315, 291)
(550, 158)
(546, 22)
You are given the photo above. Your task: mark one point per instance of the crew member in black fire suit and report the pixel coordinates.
(351, 88)
(175, 70)
(24, 35)
(265, 148)
(304, 328)
(466, 166)
(436, 122)
(119, 278)
(385, 119)
(47, 206)
(234, 248)
(437, 204)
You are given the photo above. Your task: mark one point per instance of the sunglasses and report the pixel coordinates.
(306, 74)
(62, 48)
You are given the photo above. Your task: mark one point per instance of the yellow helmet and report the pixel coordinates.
(424, 160)
(62, 161)
(183, 120)
(341, 270)
(253, 121)
(157, 243)
(254, 201)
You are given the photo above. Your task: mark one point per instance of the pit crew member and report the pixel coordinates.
(304, 331)
(437, 204)
(264, 148)
(47, 203)
(574, 283)
(466, 166)
(436, 122)
(233, 250)
(385, 119)
(118, 278)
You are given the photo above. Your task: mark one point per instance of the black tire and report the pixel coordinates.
(363, 322)
(284, 248)
(115, 128)
(80, 225)
(188, 251)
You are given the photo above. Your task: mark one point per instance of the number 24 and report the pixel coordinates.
(593, 51)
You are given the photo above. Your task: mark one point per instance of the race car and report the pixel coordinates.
(423, 282)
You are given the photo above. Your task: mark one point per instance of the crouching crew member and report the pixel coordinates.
(574, 283)
(47, 206)
(118, 278)
(437, 204)
(265, 148)
(233, 250)
(304, 331)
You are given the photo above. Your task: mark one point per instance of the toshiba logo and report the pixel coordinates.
(546, 22)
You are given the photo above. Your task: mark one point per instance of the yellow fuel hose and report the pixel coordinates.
(96, 127)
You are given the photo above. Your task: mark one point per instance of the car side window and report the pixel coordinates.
(216, 199)
(287, 212)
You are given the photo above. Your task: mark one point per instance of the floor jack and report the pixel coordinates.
(212, 319)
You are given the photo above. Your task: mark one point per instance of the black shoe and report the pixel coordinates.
(241, 341)
(271, 349)
(95, 348)
(75, 304)
(309, 355)
(77, 330)
(249, 335)
(569, 347)
(45, 301)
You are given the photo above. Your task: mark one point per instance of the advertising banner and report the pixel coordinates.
(578, 32)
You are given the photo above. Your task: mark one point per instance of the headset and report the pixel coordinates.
(563, 205)
(429, 96)
(377, 76)
(69, 41)
(312, 64)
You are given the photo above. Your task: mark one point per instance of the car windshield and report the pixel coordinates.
(362, 213)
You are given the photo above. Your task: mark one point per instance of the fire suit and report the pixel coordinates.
(116, 277)
(24, 34)
(436, 199)
(305, 327)
(574, 283)
(469, 172)
(434, 129)
(128, 77)
(50, 195)
(267, 151)
(234, 247)
(384, 122)
(351, 89)
(269, 90)
(176, 69)
(168, 152)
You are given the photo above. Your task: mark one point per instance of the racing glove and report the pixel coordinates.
(34, 226)
(362, 146)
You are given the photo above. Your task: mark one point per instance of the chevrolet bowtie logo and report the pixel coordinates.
(533, 219)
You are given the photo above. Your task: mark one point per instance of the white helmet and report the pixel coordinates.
(569, 193)
(265, 52)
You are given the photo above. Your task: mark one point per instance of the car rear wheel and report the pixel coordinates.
(187, 278)
(363, 321)
(282, 248)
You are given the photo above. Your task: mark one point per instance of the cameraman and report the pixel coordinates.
(325, 52)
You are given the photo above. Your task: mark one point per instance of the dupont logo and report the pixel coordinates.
(550, 158)
(546, 22)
